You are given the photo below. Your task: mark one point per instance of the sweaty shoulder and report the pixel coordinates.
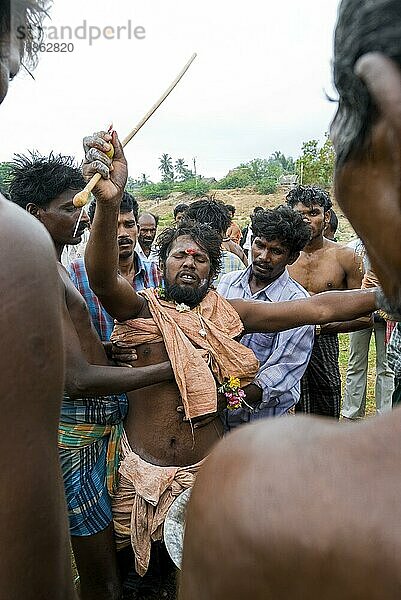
(36, 254)
(350, 260)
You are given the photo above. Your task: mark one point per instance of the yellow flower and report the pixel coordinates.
(234, 382)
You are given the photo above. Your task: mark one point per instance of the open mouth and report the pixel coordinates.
(187, 278)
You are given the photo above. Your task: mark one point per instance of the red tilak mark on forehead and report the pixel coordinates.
(190, 251)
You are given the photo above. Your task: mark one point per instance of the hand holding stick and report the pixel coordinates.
(82, 197)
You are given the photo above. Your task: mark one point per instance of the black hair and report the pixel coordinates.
(25, 17)
(205, 236)
(210, 212)
(231, 209)
(156, 217)
(40, 179)
(256, 209)
(180, 208)
(128, 204)
(363, 26)
(309, 195)
(282, 224)
(333, 222)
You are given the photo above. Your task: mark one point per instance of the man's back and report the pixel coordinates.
(306, 509)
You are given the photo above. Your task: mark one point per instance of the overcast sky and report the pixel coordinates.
(258, 83)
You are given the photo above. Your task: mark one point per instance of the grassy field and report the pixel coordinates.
(344, 351)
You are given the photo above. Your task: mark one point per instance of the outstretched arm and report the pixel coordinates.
(101, 254)
(316, 310)
(83, 379)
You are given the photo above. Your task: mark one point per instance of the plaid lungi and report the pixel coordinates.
(89, 435)
(321, 383)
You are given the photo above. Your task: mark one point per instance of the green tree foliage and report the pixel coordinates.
(5, 169)
(262, 173)
(286, 163)
(267, 185)
(317, 164)
(166, 167)
(131, 185)
(239, 178)
(157, 191)
(195, 187)
(181, 168)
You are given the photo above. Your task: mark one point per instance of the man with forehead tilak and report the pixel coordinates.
(195, 328)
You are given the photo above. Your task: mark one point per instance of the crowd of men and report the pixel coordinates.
(146, 351)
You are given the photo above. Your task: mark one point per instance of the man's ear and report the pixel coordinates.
(381, 75)
(33, 209)
(292, 258)
(327, 216)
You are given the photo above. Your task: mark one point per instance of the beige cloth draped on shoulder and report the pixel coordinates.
(196, 359)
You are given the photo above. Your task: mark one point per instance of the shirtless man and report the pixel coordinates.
(323, 265)
(90, 418)
(35, 557)
(155, 435)
(309, 530)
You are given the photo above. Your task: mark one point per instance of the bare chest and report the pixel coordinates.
(318, 272)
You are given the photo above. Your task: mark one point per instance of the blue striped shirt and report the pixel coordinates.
(147, 274)
(283, 356)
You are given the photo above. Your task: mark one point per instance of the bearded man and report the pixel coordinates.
(195, 328)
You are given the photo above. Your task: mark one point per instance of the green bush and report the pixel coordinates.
(195, 187)
(234, 180)
(267, 185)
(153, 191)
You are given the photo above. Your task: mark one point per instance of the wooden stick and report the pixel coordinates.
(82, 197)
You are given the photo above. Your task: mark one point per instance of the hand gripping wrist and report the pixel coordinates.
(388, 306)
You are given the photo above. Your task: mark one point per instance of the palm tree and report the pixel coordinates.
(181, 168)
(166, 167)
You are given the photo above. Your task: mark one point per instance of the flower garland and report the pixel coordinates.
(161, 294)
(234, 394)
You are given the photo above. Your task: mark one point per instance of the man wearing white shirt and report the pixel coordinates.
(147, 227)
